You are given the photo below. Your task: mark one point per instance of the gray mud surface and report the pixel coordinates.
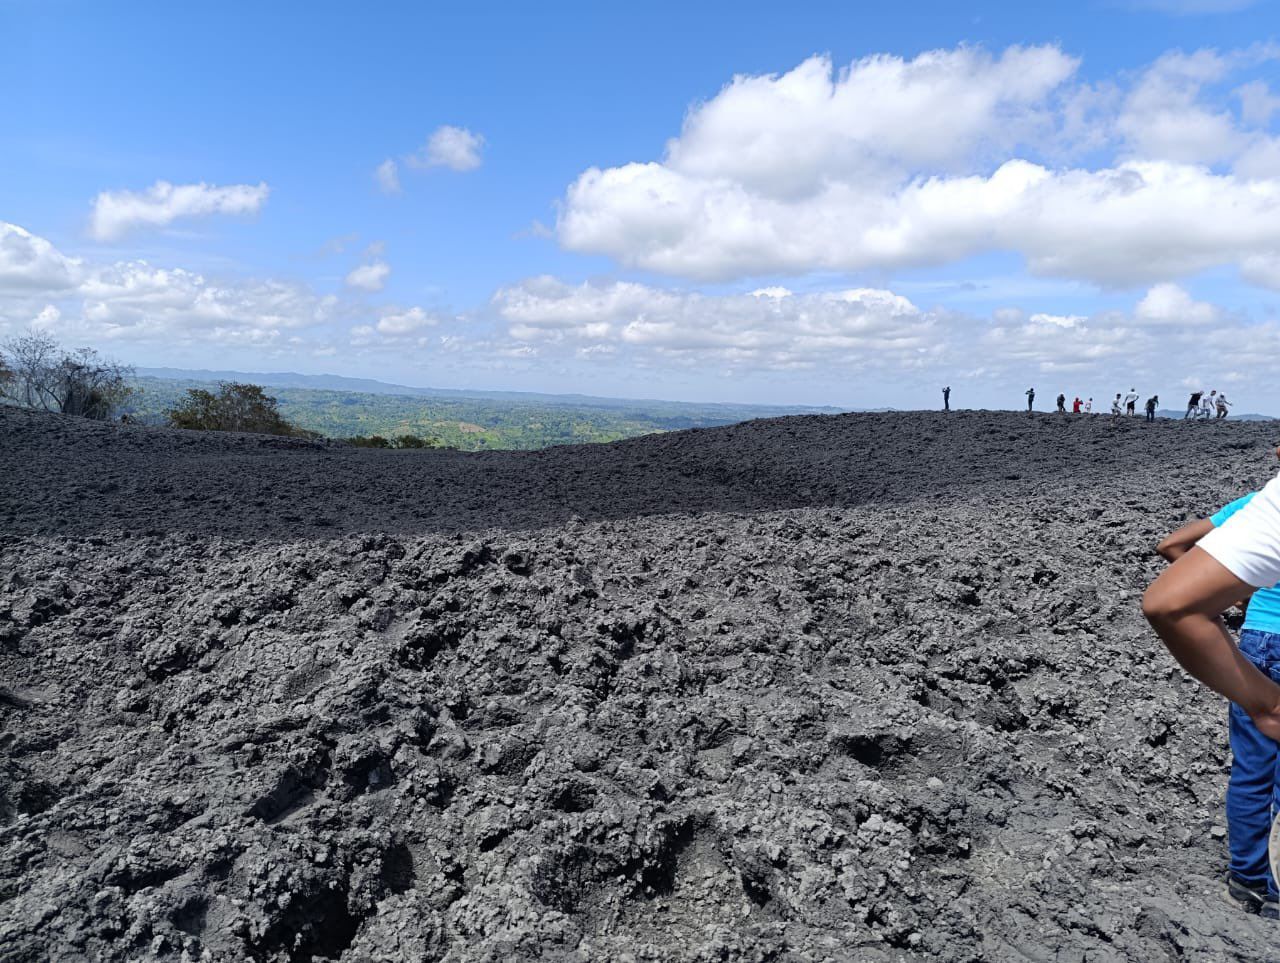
(862, 687)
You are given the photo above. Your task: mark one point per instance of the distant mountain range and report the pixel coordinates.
(341, 407)
(368, 386)
(1246, 416)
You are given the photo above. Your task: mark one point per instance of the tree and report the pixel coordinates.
(413, 441)
(399, 441)
(234, 407)
(37, 372)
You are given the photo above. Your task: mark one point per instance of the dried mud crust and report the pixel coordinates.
(901, 725)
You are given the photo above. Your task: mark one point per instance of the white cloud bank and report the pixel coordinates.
(767, 329)
(138, 301)
(894, 163)
(115, 213)
(547, 322)
(878, 332)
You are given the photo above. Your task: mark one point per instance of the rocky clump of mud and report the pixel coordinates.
(891, 699)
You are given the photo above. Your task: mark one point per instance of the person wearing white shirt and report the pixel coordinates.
(1130, 400)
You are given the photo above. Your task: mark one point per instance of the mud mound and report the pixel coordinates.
(865, 687)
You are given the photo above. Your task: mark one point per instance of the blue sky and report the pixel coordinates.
(496, 273)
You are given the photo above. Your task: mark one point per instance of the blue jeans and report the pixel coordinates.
(1253, 793)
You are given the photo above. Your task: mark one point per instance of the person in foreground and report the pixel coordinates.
(1254, 786)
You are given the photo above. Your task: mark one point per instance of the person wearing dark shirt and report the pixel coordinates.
(1152, 402)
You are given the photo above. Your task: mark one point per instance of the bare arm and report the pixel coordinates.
(1176, 544)
(1183, 605)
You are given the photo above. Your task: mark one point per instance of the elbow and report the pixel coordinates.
(1167, 550)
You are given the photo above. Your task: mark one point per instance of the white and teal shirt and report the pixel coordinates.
(1263, 613)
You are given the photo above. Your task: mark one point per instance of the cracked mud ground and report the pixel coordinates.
(864, 687)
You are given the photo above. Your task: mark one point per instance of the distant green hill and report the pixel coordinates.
(469, 420)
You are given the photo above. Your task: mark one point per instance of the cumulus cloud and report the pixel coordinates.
(1168, 304)
(30, 263)
(369, 277)
(115, 213)
(134, 299)
(1163, 116)
(387, 175)
(768, 329)
(397, 327)
(405, 322)
(137, 300)
(456, 148)
(895, 163)
(883, 335)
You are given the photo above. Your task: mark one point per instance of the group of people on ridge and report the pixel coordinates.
(1119, 406)
(1201, 405)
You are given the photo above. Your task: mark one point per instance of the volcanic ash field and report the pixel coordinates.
(864, 687)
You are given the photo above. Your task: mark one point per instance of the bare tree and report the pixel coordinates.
(40, 374)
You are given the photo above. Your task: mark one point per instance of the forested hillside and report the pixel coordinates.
(468, 423)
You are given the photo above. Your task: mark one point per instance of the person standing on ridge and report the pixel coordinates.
(1062, 403)
(1130, 401)
(1115, 407)
(1207, 403)
(1255, 776)
(1075, 405)
(1223, 404)
(1031, 398)
(946, 398)
(1152, 402)
(1193, 405)
(1088, 407)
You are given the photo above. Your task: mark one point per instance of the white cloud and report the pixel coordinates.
(1257, 103)
(131, 299)
(884, 336)
(369, 277)
(1059, 320)
(403, 328)
(1168, 304)
(30, 263)
(1134, 223)
(1164, 118)
(405, 322)
(117, 212)
(453, 147)
(897, 163)
(137, 300)
(846, 328)
(387, 175)
(785, 136)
